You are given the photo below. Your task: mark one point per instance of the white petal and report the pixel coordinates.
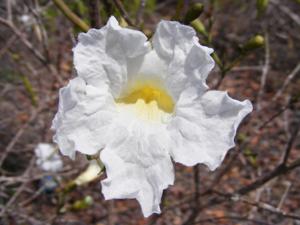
(170, 35)
(84, 114)
(137, 166)
(152, 68)
(188, 62)
(105, 55)
(198, 64)
(204, 127)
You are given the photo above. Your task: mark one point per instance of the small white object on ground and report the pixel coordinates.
(48, 158)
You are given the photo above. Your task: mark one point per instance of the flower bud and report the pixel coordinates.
(255, 42)
(199, 27)
(193, 13)
(83, 204)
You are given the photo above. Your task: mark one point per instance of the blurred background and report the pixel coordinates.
(257, 49)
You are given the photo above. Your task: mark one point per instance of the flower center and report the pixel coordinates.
(147, 101)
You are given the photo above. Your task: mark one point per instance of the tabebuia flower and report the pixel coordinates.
(142, 103)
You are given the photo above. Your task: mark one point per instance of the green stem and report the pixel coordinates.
(234, 62)
(30, 90)
(71, 16)
(101, 165)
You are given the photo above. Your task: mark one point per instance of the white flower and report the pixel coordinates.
(47, 157)
(142, 105)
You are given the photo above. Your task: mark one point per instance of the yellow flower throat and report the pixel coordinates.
(147, 101)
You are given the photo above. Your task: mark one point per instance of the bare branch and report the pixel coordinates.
(36, 12)
(279, 170)
(265, 72)
(235, 218)
(19, 190)
(124, 13)
(289, 78)
(289, 145)
(111, 214)
(7, 45)
(94, 9)
(280, 111)
(195, 209)
(270, 208)
(197, 185)
(287, 11)
(288, 186)
(247, 68)
(9, 10)
(24, 40)
(17, 136)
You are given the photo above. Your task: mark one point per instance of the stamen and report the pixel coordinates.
(149, 102)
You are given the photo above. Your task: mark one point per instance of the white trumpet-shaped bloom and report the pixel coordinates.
(142, 103)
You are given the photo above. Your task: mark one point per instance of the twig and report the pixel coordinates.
(289, 145)
(289, 78)
(270, 208)
(94, 9)
(24, 40)
(235, 196)
(163, 4)
(258, 193)
(22, 178)
(70, 15)
(44, 37)
(283, 109)
(119, 5)
(7, 45)
(197, 185)
(9, 10)
(247, 68)
(20, 132)
(39, 56)
(288, 186)
(216, 219)
(107, 7)
(287, 11)
(222, 172)
(26, 217)
(279, 170)
(195, 209)
(111, 217)
(262, 180)
(17, 136)
(20, 189)
(35, 195)
(265, 72)
(224, 69)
